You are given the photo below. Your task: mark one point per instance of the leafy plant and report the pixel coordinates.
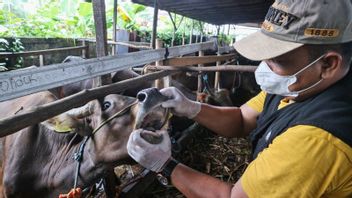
(10, 45)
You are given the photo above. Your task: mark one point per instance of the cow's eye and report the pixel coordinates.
(106, 105)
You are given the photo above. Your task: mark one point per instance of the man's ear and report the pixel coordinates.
(332, 64)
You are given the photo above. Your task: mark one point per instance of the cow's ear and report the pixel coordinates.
(72, 121)
(62, 123)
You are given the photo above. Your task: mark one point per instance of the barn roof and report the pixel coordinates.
(216, 12)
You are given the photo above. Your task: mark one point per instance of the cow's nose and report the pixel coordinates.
(142, 96)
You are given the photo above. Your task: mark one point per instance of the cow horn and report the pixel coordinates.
(83, 111)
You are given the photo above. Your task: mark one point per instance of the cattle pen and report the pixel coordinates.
(160, 65)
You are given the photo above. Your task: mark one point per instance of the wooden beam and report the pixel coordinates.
(28, 117)
(193, 60)
(101, 37)
(221, 68)
(22, 82)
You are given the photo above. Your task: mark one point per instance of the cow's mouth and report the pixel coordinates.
(152, 123)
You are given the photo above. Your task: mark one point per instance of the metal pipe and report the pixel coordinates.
(221, 68)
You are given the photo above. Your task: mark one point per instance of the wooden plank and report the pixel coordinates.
(28, 117)
(18, 83)
(234, 68)
(38, 52)
(193, 60)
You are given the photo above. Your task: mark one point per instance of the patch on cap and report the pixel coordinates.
(278, 15)
(316, 32)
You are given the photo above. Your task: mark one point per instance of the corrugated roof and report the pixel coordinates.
(216, 12)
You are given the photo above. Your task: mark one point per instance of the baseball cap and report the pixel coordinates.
(289, 24)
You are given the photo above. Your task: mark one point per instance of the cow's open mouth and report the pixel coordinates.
(152, 125)
(152, 121)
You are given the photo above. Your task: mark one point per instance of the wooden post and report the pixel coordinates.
(85, 51)
(164, 82)
(155, 23)
(191, 33)
(41, 60)
(183, 38)
(12, 61)
(200, 85)
(218, 30)
(113, 52)
(217, 74)
(101, 38)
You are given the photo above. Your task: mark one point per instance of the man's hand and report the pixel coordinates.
(180, 104)
(150, 156)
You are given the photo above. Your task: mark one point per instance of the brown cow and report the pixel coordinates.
(38, 162)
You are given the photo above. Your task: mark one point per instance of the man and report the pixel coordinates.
(300, 125)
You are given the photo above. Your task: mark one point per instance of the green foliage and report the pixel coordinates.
(167, 38)
(50, 21)
(10, 45)
(225, 39)
(74, 19)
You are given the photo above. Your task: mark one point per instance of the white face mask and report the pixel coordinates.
(273, 83)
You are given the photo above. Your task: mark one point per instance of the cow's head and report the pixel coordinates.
(110, 122)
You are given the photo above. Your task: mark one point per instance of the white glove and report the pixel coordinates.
(150, 156)
(180, 104)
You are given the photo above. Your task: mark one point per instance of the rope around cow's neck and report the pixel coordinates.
(78, 156)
